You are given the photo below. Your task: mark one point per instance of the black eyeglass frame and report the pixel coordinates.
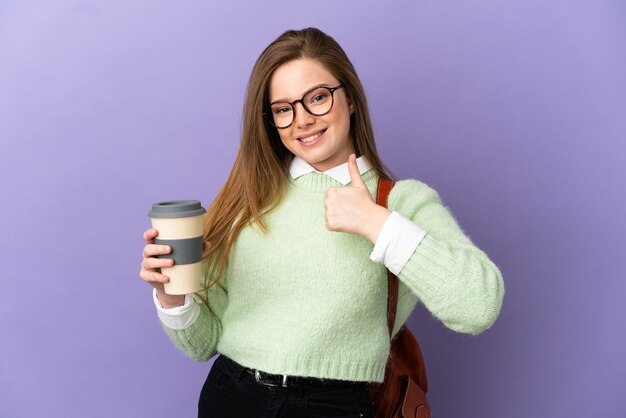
(332, 90)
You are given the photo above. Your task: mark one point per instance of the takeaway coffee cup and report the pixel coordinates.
(179, 223)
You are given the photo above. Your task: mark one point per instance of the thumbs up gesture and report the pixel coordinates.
(353, 209)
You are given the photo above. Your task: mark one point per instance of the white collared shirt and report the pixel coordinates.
(396, 242)
(299, 167)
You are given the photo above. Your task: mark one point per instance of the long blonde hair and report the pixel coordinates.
(256, 183)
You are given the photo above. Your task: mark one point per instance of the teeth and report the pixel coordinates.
(312, 137)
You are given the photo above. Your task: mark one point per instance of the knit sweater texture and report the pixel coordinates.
(302, 300)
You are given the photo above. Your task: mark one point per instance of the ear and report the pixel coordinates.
(350, 104)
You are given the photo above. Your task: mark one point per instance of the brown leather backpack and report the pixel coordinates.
(403, 392)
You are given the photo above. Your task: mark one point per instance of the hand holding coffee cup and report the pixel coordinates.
(171, 262)
(151, 267)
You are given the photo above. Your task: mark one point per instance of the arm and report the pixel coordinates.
(453, 278)
(192, 327)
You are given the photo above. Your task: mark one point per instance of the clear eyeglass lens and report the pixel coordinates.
(318, 101)
(282, 113)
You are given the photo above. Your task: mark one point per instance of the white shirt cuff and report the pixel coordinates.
(396, 242)
(179, 317)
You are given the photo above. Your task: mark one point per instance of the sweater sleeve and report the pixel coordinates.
(199, 340)
(453, 278)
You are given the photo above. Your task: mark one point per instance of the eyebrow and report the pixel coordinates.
(308, 90)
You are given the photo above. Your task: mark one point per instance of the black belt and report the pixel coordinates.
(287, 381)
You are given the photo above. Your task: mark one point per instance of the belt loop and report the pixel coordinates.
(239, 371)
(235, 369)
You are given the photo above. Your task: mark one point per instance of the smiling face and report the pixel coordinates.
(322, 141)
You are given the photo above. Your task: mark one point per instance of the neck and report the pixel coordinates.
(327, 165)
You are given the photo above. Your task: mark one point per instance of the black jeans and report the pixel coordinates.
(231, 392)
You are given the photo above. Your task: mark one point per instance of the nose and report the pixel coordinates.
(303, 118)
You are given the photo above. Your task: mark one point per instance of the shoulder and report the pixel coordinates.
(418, 202)
(411, 192)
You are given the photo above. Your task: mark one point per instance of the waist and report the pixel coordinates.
(280, 380)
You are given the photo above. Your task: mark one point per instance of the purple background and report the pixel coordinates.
(514, 111)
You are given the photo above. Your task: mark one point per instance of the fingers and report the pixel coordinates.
(150, 265)
(151, 250)
(206, 246)
(156, 263)
(327, 222)
(149, 235)
(153, 278)
(333, 207)
(355, 175)
(151, 271)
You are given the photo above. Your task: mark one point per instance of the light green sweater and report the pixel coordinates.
(302, 300)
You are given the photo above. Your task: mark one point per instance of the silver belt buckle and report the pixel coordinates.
(257, 377)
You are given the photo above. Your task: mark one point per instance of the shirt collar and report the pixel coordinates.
(299, 167)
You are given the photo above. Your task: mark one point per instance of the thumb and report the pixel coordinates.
(355, 175)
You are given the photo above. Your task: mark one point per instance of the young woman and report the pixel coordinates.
(297, 250)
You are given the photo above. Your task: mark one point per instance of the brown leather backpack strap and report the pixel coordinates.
(382, 196)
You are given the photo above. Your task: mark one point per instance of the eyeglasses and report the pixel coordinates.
(318, 101)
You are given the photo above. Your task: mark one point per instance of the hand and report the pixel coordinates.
(353, 209)
(151, 268)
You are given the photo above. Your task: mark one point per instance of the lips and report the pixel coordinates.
(310, 137)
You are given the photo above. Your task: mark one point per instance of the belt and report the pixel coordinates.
(287, 381)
